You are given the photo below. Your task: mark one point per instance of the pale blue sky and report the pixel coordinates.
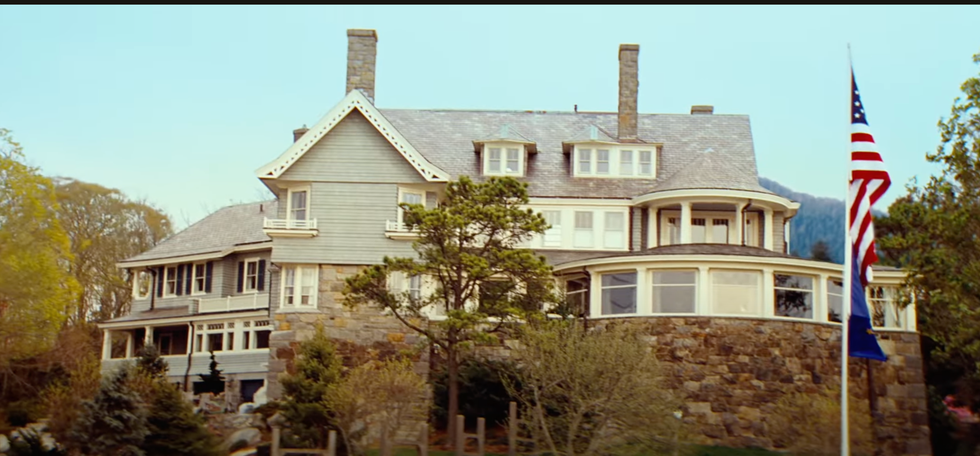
(182, 104)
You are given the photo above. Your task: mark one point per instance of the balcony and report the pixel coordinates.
(231, 303)
(398, 230)
(289, 227)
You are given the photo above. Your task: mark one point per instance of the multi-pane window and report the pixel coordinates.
(552, 236)
(883, 306)
(199, 279)
(614, 162)
(299, 287)
(614, 235)
(585, 161)
(794, 296)
(602, 161)
(170, 281)
(505, 161)
(674, 291)
(493, 161)
(297, 205)
(143, 285)
(835, 300)
(736, 292)
(626, 163)
(583, 229)
(619, 293)
(646, 163)
(577, 296)
(251, 275)
(513, 161)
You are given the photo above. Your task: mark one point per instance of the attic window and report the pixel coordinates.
(604, 160)
(503, 160)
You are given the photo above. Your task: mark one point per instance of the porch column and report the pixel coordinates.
(147, 335)
(786, 231)
(739, 224)
(685, 222)
(652, 239)
(769, 231)
(190, 338)
(129, 344)
(106, 344)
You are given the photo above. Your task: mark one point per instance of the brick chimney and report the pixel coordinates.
(362, 51)
(702, 109)
(629, 83)
(299, 132)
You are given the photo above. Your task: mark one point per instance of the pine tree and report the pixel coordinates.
(175, 429)
(306, 392)
(214, 382)
(114, 422)
(151, 363)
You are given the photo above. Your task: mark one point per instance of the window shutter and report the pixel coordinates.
(261, 277)
(207, 276)
(180, 279)
(241, 276)
(160, 282)
(188, 278)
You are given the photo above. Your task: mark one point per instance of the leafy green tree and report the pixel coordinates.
(470, 246)
(114, 422)
(174, 428)
(35, 288)
(214, 381)
(104, 227)
(934, 232)
(306, 391)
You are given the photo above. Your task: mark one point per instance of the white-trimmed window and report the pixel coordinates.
(170, 281)
(503, 160)
(793, 296)
(214, 336)
(736, 292)
(719, 230)
(614, 234)
(298, 204)
(583, 229)
(577, 295)
(199, 278)
(255, 334)
(883, 307)
(673, 230)
(408, 196)
(612, 161)
(299, 285)
(835, 299)
(251, 282)
(552, 236)
(142, 284)
(706, 227)
(619, 293)
(674, 291)
(699, 232)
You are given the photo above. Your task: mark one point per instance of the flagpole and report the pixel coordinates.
(848, 253)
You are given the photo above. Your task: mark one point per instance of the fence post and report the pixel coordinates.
(512, 429)
(481, 436)
(460, 437)
(424, 440)
(275, 440)
(332, 443)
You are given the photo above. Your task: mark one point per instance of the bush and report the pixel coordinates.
(114, 422)
(64, 399)
(174, 428)
(304, 404)
(809, 424)
(481, 391)
(24, 411)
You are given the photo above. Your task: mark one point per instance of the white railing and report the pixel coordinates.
(394, 225)
(229, 303)
(288, 224)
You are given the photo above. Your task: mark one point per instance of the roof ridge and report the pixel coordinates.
(530, 111)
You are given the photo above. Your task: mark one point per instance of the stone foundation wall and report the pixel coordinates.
(360, 334)
(732, 371)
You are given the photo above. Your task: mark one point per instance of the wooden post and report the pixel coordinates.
(460, 437)
(424, 440)
(512, 429)
(385, 445)
(275, 440)
(332, 443)
(481, 436)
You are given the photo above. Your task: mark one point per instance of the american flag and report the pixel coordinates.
(869, 180)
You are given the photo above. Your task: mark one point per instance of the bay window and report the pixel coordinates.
(674, 291)
(736, 292)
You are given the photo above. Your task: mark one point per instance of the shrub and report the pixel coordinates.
(304, 404)
(481, 391)
(174, 428)
(809, 424)
(63, 400)
(114, 422)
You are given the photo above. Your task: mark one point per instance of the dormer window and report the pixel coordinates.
(504, 160)
(609, 160)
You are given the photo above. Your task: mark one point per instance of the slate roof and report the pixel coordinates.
(445, 138)
(227, 227)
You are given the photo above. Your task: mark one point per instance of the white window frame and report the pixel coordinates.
(696, 286)
(205, 329)
(608, 161)
(589, 154)
(839, 295)
(505, 149)
(136, 284)
(289, 202)
(548, 238)
(814, 280)
(298, 271)
(203, 277)
(635, 286)
(708, 217)
(591, 230)
(167, 279)
(889, 302)
(565, 237)
(760, 289)
(250, 328)
(402, 191)
(245, 275)
(606, 231)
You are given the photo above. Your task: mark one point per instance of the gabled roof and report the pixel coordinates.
(505, 133)
(226, 230)
(354, 100)
(446, 138)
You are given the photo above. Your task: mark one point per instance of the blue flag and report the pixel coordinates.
(862, 342)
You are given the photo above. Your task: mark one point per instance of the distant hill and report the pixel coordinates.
(819, 218)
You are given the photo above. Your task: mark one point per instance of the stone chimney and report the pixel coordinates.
(299, 132)
(702, 109)
(629, 83)
(362, 51)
